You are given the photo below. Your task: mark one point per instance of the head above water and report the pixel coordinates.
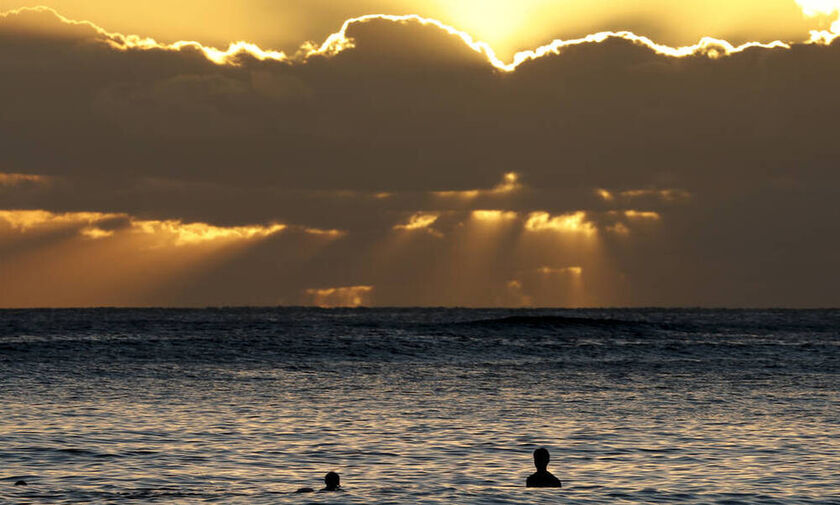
(541, 458)
(332, 480)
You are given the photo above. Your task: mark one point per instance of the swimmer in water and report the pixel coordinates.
(542, 478)
(332, 481)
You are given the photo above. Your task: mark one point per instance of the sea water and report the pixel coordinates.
(243, 406)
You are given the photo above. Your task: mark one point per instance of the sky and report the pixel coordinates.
(507, 25)
(460, 153)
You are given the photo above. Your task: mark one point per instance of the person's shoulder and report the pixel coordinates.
(543, 479)
(531, 481)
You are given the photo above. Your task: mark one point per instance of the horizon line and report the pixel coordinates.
(415, 307)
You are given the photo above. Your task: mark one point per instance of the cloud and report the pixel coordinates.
(829, 9)
(516, 291)
(642, 215)
(506, 25)
(546, 286)
(735, 155)
(668, 195)
(325, 233)
(576, 271)
(344, 39)
(196, 233)
(30, 220)
(819, 7)
(494, 215)
(352, 296)
(97, 225)
(419, 221)
(9, 180)
(510, 183)
(575, 223)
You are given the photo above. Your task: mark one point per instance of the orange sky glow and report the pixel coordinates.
(402, 153)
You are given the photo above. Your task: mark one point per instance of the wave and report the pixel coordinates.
(554, 321)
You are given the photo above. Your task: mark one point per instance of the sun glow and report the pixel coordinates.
(351, 296)
(325, 233)
(829, 9)
(195, 233)
(819, 7)
(494, 216)
(575, 222)
(419, 221)
(605, 194)
(9, 180)
(576, 271)
(619, 229)
(26, 220)
(666, 195)
(95, 233)
(642, 215)
(547, 286)
(509, 184)
(481, 247)
(91, 224)
(340, 41)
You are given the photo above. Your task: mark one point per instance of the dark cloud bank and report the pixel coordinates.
(752, 138)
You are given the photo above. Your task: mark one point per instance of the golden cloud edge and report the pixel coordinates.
(339, 41)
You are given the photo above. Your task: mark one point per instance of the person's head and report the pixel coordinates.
(332, 480)
(541, 458)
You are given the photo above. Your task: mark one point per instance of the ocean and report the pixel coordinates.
(419, 406)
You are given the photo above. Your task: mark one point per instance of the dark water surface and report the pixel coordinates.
(419, 406)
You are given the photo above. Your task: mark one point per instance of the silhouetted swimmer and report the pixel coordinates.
(21, 483)
(542, 478)
(333, 482)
